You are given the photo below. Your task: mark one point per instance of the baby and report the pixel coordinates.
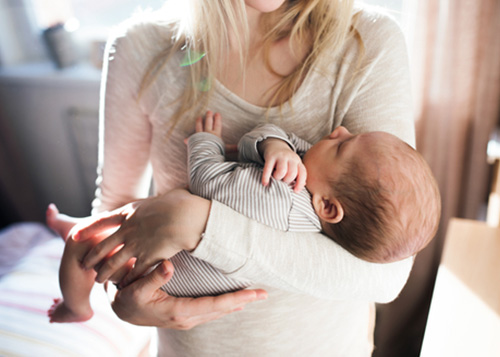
(371, 193)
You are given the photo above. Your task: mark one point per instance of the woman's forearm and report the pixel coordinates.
(308, 263)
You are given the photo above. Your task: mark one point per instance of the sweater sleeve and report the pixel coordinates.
(308, 263)
(376, 99)
(124, 132)
(379, 97)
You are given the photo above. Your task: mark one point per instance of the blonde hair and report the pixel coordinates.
(202, 29)
(390, 218)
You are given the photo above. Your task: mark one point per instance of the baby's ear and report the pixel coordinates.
(328, 209)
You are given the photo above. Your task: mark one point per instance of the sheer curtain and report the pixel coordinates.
(455, 59)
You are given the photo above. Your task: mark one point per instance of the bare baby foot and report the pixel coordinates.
(59, 312)
(59, 222)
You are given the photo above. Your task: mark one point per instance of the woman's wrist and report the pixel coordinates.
(193, 212)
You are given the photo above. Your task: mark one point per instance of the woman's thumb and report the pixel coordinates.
(158, 277)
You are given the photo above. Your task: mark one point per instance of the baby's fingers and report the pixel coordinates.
(99, 226)
(199, 125)
(291, 173)
(280, 170)
(301, 179)
(267, 171)
(217, 124)
(209, 121)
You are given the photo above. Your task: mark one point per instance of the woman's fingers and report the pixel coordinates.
(117, 259)
(103, 250)
(119, 275)
(93, 227)
(190, 313)
(139, 269)
(225, 303)
(143, 303)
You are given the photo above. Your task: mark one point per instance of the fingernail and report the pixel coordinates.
(76, 237)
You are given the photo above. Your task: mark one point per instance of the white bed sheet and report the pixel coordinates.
(30, 257)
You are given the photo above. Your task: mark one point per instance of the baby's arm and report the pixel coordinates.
(280, 159)
(207, 167)
(278, 152)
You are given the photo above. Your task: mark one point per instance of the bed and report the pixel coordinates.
(29, 260)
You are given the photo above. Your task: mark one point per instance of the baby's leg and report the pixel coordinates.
(76, 284)
(59, 222)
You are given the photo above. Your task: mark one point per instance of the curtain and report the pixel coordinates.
(455, 61)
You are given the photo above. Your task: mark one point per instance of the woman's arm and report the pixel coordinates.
(124, 131)
(171, 222)
(144, 304)
(377, 98)
(124, 149)
(311, 263)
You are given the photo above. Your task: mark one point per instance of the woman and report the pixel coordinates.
(306, 65)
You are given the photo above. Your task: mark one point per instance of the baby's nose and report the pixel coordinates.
(339, 132)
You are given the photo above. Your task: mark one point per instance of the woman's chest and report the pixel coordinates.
(263, 73)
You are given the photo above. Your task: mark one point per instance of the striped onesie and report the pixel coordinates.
(238, 185)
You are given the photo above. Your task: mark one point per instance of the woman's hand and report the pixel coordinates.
(150, 231)
(143, 303)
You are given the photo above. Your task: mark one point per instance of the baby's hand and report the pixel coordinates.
(282, 163)
(211, 124)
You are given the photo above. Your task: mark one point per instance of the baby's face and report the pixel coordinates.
(329, 158)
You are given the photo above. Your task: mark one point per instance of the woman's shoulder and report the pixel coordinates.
(143, 33)
(378, 28)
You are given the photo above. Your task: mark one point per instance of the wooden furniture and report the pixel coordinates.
(464, 318)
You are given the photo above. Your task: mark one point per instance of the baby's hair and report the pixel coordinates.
(392, 216)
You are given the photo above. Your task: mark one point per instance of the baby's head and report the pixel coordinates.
(375, 195)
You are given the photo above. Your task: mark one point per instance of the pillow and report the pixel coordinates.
(27, 292)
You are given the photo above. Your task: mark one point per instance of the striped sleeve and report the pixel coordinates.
(247, 146)
(236, 185)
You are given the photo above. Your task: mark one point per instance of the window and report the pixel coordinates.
(88, 13)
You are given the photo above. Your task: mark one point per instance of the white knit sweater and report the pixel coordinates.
(320, 296)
